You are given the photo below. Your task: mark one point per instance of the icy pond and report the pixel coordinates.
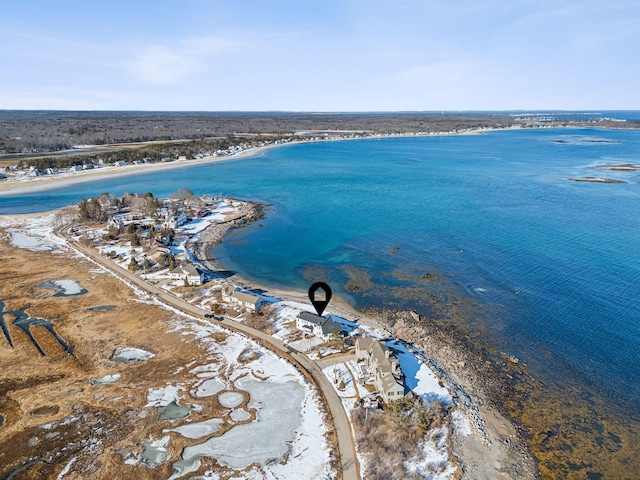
(230, 399)
(209, 387)
(130, 355)
(262, 441)
(64, 288)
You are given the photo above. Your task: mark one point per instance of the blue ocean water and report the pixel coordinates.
(556, 263)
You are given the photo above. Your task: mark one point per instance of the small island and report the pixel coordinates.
(624, 167)
(597, 180)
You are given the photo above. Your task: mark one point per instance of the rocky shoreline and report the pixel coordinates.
(527, 429)
(500, 450)
(479, 385)
(214, 234)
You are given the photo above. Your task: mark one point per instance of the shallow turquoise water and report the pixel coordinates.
(555, 262)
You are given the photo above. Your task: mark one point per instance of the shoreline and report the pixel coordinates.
(501, 439)
(39, 184)
(215, 234)
(301, 296)
(27, 185)
(519, 416)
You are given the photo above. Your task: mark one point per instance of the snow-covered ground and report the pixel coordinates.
(433, 462)
(300, 436)
(286, 439)
(36, 233)
(342, 371)
(419, 378)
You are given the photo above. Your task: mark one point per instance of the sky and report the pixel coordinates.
(324, 56)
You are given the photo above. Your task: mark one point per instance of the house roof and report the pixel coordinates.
(389, 381)
(330, 327)
(312, 318)
(327, 324)
(189, 270)
(245, 297)
(364, 343)
(379, 352)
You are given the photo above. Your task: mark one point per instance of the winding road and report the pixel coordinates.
(346, 455)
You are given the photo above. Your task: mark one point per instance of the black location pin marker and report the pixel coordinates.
(318, 299)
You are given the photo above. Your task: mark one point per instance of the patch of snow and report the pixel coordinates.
(335, 374)
(419, 378)
(163, 396)
(434, 463)
(131, 355)
(68, 287)
(107, 379)
(66, 469)
(460, 424)
(306, 344)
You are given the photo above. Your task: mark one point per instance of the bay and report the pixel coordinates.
(552, 264)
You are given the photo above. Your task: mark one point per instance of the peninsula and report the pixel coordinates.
(159, 247)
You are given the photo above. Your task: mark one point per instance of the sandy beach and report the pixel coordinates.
(38, 184)
(25, 184)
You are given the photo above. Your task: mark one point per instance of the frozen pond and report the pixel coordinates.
(155, 452)
(64, 288)
(172, 411)
(209, 387)
(130, 355)
(198, 430)
(262, 441)
(230, 399)
(240, 415)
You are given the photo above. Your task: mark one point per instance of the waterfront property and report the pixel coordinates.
(322, 327)
(188, 272)
(175, 220)
(382, 368)
(243, 299)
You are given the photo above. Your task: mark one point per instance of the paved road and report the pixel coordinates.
(346, 449)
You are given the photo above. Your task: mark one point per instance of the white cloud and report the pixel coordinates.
(172, 64)
(160, 64)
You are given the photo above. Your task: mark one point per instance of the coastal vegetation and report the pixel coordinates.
(45, 131)
(388, 439)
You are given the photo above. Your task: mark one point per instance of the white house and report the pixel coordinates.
(174, 220)
(382, 367)
(189, 272)
(247, 300)
(322, 327)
